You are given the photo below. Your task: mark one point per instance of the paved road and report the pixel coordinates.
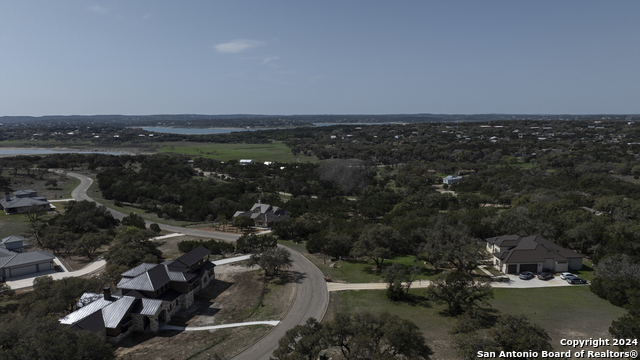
(312, 296)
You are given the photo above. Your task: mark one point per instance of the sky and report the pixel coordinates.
(284, 57)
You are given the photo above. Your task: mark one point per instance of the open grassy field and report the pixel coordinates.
(275, 151)
(565, 312)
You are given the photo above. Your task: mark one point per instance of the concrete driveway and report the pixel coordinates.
(514, 283)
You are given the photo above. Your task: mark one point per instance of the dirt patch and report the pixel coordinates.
(236, 296)
(169, 246)
(74, 262)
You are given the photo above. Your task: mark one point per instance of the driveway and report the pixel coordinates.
(514, 283)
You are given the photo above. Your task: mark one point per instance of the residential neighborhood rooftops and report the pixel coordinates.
(25, 258)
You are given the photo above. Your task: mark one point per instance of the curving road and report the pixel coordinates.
(312, 296)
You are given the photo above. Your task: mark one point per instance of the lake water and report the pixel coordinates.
(195, 131)
(198, 131)
(47, 152)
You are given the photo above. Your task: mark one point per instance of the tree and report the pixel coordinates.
(6, 290)
(58, 297)
(83, 216)
(272, 260)
(90, 242)
(252, 243)
(616, 279)
(358, 336)
(516, 333)
(132, 247)
(52, 183)
(399, 280)
(459, 291)
(337, 244)
(378, 243)
(155, 228)
(303, 342)
(57, 239)
(628, 325)
(448, 244)
(242, 222)
(45, 338)
(222, 220)
(134, 220)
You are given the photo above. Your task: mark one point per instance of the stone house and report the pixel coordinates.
(265, 215)
(147, 296)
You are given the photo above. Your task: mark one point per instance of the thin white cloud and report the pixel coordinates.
(98, 9)
(147, 16)
(268, 59)
(236, 46)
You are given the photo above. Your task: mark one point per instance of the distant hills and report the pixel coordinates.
(252, 120)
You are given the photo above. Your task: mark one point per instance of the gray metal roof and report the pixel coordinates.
(138, 270)
(116, 311)
(85, 311)
(4, 253)
(149, 306)
(24, 192)
(151, 280)
(21, 202)
(193, 256)
(532, 248)
(25, 258)
(12, 239)
(93, 323)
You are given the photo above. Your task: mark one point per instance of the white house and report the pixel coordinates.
(452, 179)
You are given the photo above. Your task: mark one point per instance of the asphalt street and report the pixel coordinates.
(312, 296)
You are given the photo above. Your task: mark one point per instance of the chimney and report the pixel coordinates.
(7, 197)
(107, 293)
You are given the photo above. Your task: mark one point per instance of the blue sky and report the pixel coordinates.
(319, 57)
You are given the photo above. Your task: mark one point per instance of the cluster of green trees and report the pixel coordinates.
(31, 330)
(356, 336)
(82, 229)
(216, 247)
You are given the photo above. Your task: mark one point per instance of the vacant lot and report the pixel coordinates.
(237, 296)
(566, 313)
(275, 151)
(355, 271)
(38, 182)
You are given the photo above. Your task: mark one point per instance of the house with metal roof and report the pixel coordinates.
(147, 296)
(23, 201)
(14, 264)
(265, 215)
(13, 243)
(513, 254)
(452, 179)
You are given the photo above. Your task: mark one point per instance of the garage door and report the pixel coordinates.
(512, 269)
(528, 267)
(23, 270)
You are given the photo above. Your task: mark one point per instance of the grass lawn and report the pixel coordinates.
(12, 224)
(276, 151)
(565, 312)
(355, 271)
